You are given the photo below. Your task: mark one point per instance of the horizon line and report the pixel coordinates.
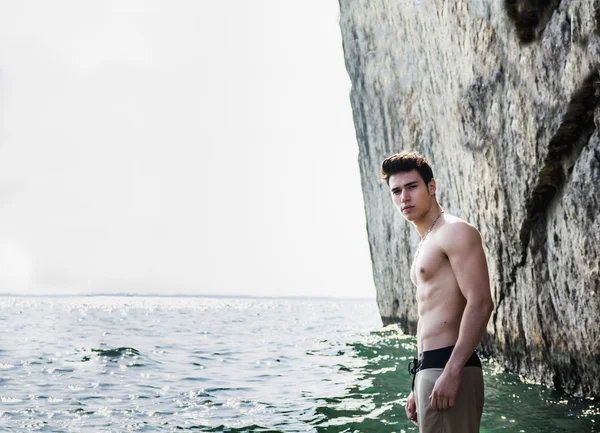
(180, 295)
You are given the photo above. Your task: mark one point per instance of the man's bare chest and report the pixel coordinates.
(429, 261)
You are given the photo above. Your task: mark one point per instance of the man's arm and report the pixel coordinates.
(462, 245)
(411, 408)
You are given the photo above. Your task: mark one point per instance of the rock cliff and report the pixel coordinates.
(503, 99)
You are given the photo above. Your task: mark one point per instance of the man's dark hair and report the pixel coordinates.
(403, 162)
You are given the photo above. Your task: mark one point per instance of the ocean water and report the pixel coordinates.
(120, 364)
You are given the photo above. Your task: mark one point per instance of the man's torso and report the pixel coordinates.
(440, 301)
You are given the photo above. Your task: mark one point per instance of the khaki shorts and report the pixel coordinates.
(464, 416)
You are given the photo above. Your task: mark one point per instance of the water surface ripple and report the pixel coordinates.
(120, 364)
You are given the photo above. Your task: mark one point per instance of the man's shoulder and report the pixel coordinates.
(453, 222)
(455, 231)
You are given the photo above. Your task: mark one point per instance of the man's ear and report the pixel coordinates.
(431, 187)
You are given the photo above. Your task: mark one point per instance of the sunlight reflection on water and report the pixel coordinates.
(230, 364)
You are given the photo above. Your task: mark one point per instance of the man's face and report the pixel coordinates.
(410, 194)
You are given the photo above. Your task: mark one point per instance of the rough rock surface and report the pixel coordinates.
(503, 99)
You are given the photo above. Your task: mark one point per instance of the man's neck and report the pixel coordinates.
(424, 224)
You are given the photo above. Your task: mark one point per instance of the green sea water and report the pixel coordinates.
(114, 364)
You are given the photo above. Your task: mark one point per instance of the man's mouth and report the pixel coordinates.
(407, 208)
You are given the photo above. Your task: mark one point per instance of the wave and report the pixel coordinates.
(117, 352)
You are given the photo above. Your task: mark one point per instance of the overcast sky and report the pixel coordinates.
(198, 147)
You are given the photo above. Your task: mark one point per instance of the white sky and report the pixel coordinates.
(198, 147)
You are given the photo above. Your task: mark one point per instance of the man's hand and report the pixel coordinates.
(411, 409)
(444, 391)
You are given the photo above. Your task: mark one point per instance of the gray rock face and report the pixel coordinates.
(503, 99)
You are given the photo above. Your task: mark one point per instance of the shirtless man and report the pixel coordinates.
(453, 298)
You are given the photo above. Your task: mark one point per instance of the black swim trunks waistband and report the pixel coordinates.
(437, 358)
